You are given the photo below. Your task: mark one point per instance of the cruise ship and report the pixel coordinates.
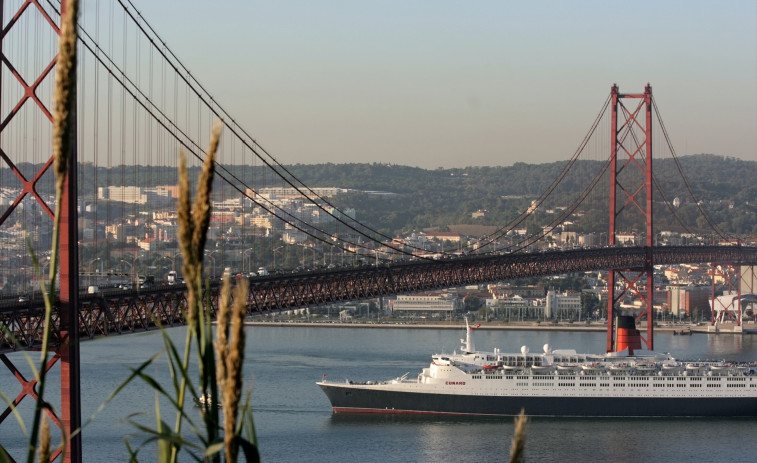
(629, 383)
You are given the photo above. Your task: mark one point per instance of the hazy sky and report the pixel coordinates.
(466, 83)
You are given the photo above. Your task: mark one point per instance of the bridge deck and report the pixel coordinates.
(121, 312)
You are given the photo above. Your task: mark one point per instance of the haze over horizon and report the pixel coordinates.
(445, 84)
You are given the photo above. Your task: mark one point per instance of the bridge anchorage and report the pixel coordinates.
(129, 310)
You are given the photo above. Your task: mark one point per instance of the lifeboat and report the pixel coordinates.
(645, 367)
(512, 368)
(592, 368)
(720, 369)
(542, 369)
(566, 368)
(695, 368)
(621, 369)
(671, 368)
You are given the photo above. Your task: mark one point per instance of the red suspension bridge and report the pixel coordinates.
(138, 106)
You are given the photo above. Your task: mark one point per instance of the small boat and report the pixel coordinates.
(621, 369)
(542, 369)
(695, 368)
(645, 367)
(567, 368)
(207, 401)
(592, 369)
(512, 368)
(720, 369)
(671, 368)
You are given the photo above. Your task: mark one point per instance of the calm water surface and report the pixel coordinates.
(294, 421)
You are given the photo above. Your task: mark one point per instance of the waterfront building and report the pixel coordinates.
(683, 299)
(566, 305)
(516, 307)
(501, 292)
(425, 305)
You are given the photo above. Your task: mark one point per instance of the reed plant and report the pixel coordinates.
(218, 363)
(518, 448)
(212, 440)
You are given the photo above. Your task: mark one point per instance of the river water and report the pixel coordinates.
(294, 421)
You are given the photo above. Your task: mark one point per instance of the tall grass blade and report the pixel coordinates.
(517, 451)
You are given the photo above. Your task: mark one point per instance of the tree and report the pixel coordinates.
(589, 303)
(472, 303)
(485, 313)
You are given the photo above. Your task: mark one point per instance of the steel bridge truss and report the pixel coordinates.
(120, 312)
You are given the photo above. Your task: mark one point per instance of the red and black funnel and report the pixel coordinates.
(627, 336)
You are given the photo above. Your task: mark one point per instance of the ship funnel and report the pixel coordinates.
(627, 336)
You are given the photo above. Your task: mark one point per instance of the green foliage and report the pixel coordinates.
(207, 442)
(219, 379)
(589, 303)
(484, 313)
(472, 303)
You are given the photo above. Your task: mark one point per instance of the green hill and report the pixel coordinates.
(444, 197)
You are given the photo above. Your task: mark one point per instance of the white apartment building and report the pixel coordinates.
(425, 305)
(124, 194)
(562, 305)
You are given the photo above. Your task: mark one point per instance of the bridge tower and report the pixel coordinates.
(631, 196)
(36, 97)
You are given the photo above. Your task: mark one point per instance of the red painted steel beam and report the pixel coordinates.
(613, 200)
(28, 389)
(67, 329)
(649, 267)
(68, 250)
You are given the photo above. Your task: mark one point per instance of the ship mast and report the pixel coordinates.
(467, 346)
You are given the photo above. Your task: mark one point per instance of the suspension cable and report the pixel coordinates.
(686, 180)
(499, 233)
